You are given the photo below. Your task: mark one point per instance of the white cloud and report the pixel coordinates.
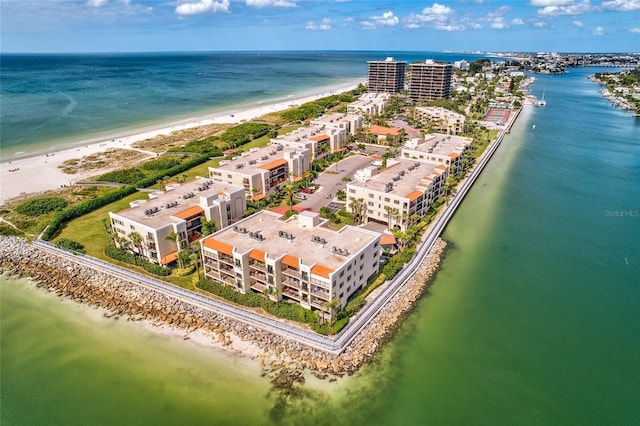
(635, 30)
(498, 23)
(203, 6)
(517, 21)
(96, 3)
(539, 24)
(270, 3)
(571, 8)
(598, 31)
(437, 10)
(578, 24)
(323, 25)
(621, 5)
(437, 16)
(388, 19)
(545, 3)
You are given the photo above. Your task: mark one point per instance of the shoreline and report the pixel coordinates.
(165, 314)
(39, 171)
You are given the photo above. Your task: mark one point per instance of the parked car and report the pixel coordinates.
(307, 191)
(301, 197)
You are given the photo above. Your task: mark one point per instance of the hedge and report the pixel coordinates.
(126, 257)
(70, 245)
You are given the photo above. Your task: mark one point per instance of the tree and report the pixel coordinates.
(290, 193)
(136, 240)
(176, 239)
(208, 226)
(358, 207)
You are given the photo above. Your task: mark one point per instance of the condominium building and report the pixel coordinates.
(319, 140)
(429, 81)
(440, 119)
(386, 76)
(169, 220)
(369, 104)
(394, 194)
(261, 170)
(350, 123)
(437, 148)
(298, 259)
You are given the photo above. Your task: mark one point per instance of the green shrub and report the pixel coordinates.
(69, 245)
(162, 163)
(244, 133)
(125, 176)
(40, 206)
(10, 231)
(126, 257)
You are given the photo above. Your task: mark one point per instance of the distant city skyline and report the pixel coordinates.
(215, 25)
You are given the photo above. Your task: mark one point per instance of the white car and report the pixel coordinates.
(301, 197)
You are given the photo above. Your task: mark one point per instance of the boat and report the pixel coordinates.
(540, 102)
(533, 127)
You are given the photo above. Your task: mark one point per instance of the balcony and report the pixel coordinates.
(291, 272)
(259, 287)
(292, 283)
(320, 292)
(291, 294)
(258, 275)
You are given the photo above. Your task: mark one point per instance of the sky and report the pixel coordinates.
(382, 25)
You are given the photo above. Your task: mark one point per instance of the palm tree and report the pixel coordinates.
(136, 240)
(176, 239)
(388, 209)
(290, 192)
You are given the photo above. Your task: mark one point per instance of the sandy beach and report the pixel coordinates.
(32, 174)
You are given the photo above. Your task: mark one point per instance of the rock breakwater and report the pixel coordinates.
(119, 297)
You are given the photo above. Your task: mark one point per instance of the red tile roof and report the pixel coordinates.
(274, 164)
(218, 246)
(321, 270)
(189, 213)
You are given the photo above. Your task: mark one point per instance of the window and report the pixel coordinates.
(361, 256)
(150, 235)
(396, 202)
(270, 269)
(237, 262)
(132, 227)
(341, 274)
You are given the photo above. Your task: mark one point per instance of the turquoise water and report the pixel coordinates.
(49, 101)
(534, 317)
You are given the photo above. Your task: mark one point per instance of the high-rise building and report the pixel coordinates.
(429, 80)
(386, 76)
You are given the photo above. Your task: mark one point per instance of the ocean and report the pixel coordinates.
(533, 318)
(60, 101)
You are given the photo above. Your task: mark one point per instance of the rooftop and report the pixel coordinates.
(440, 144)
(403, 177)
(315, 133)
(311, 244)
(256, 160)
(179, 202)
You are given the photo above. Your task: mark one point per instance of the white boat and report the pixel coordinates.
(540, 102)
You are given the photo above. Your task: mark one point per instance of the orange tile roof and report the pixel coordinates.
(387, 240)
(167, 259)
(274, 164)
(321, 270)
(258, 197)
(442, 167)
(219, 246)
(413, 195)
(427, 178)
(189, 213)
(257, 255)
(291, 260)
(384, 131)
(454, 155)
(319, 138)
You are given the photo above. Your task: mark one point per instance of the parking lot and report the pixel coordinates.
(330, 181)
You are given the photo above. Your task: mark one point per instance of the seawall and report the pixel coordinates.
(120, 297)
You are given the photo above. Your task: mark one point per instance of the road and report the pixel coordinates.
(336, 344)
